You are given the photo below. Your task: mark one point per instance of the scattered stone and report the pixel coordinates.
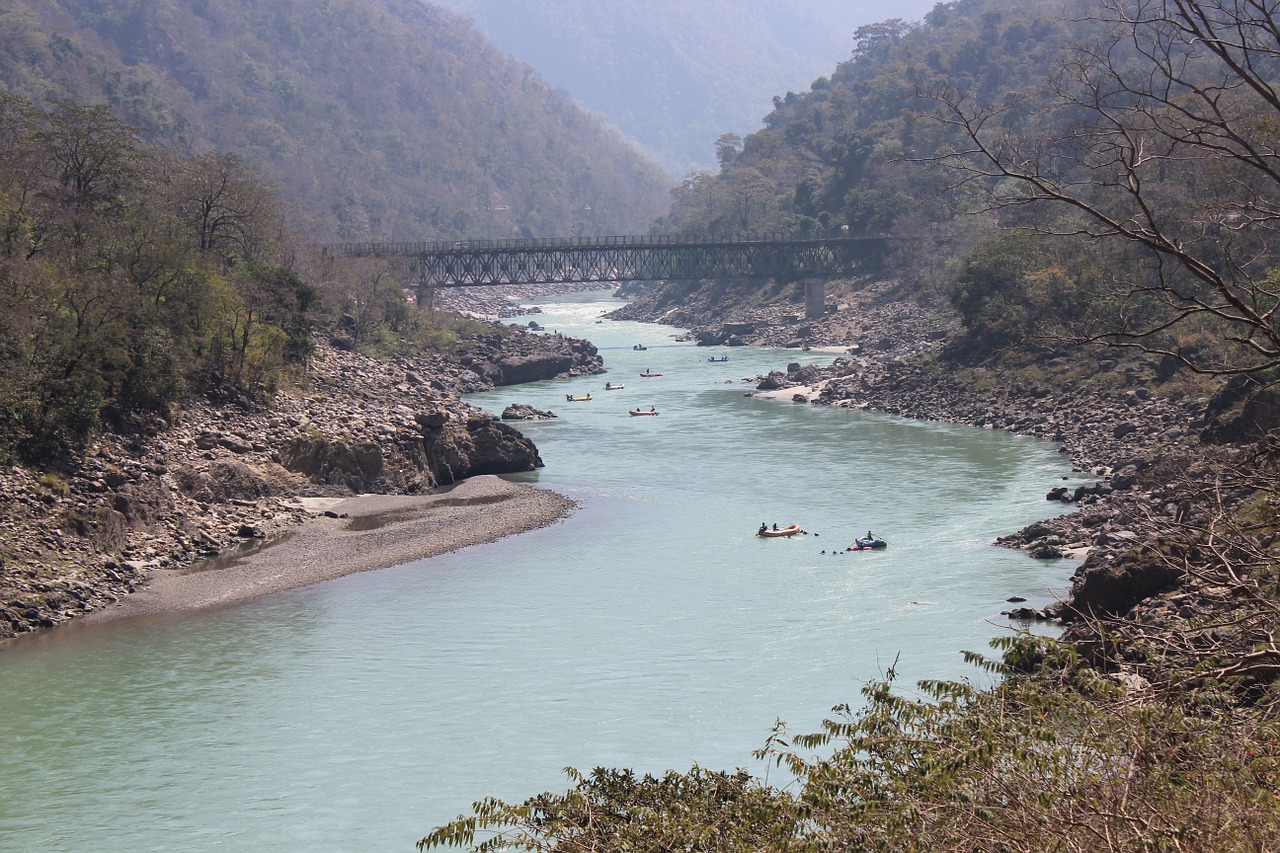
(525, 412)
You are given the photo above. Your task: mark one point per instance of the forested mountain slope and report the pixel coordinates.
(850, 151)
(675, 75)
(857, 152)
(376, 118)
(1068, 170)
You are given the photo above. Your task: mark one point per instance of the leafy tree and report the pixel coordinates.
(877, 40)
(701, 810)
(727, 149)
(92, 156)
(113, 308)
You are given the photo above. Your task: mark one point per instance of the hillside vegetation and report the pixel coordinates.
(955, 137)
(131, 276)
(165, 166)
(385, 119)
(134, 277)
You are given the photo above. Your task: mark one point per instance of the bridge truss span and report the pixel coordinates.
(480, 263)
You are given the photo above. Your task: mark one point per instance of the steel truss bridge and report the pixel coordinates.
(482, 263)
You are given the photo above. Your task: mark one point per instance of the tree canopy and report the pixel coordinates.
(132, 276)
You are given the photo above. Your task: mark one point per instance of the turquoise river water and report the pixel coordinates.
(652, 629)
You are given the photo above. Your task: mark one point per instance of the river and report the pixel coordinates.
(652, 629)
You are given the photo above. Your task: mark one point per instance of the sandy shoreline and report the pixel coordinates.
(379, 531)
(809, 391)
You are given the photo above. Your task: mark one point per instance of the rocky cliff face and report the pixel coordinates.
(78, 540)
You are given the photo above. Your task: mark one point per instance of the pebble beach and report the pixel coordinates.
(347, 535)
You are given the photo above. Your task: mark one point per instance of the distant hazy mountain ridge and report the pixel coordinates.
(675, 75)
(382, 119)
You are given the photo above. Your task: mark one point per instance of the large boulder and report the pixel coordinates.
(1109, 585)
(329, 462)
(481, 445)
(810, 374)
(1244, 410)
(440, 451)
(775, 380)
(531, 358)
(518, 369)
(394, 465)
(525, 412)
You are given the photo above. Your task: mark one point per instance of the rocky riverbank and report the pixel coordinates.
(1134, 422)
(219, 476)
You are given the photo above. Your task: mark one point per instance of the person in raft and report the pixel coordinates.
(763, 527)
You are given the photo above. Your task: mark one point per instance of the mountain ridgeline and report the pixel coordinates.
(376, 119)
(674, 76)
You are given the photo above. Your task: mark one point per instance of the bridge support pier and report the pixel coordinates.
(815, 298)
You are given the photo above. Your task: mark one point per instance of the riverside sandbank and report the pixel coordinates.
(348, 535)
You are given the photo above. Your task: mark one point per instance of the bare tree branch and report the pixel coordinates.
(1161, 135)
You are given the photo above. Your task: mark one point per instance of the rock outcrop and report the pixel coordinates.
(513, 360)
(525, 412)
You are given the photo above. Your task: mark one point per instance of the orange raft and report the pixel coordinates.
(789, 530)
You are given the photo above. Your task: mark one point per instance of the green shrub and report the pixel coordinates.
(1064, 758)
